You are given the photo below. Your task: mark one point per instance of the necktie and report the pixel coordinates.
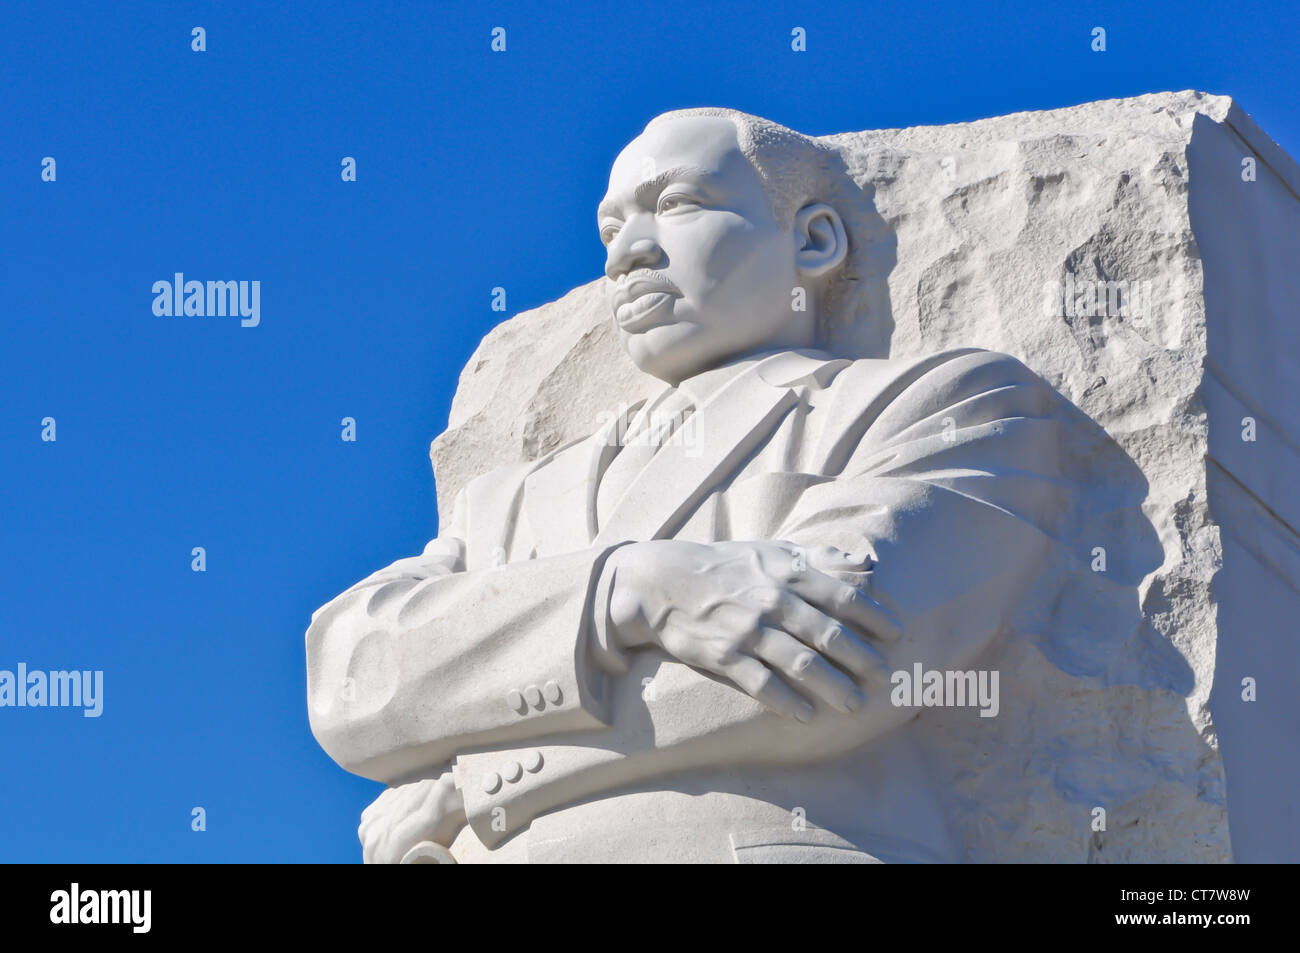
(648, 431)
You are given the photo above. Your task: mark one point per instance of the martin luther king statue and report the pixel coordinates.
(678, 639)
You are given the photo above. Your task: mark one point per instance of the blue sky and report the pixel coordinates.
(474, 170)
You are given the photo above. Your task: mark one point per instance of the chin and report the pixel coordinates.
(670, 352)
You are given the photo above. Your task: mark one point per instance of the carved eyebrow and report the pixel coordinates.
(652, 186)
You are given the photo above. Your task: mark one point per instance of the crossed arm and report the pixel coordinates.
(763, 615)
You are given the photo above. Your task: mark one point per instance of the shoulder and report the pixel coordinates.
(965, 363)
(940, 379)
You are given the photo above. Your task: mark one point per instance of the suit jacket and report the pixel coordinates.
(479, 651)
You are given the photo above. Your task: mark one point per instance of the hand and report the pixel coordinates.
(403, 816)
(765, 615)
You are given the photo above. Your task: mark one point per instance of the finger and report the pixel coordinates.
(386, 849)
(375, 807)
(760, 682)
(830, 559)
(828, 636)
(368, 846)
(847, 604)
(807, 670)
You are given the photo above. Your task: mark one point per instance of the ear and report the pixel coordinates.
(821, 241)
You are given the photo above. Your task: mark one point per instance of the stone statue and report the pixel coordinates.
(704, 632)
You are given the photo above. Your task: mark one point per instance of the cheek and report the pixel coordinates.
(727, 251)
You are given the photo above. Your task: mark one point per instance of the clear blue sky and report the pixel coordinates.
(474, 170)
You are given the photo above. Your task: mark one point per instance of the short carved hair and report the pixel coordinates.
(795, 169)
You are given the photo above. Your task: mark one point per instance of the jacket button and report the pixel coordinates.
(512, 771)
(553, 693)
(515, 700)
(534, 696)
(533, 762)
(491, 783)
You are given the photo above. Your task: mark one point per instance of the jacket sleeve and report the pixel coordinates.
(426, 658)
(957, 489)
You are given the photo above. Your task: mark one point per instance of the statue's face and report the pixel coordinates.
(699, 271)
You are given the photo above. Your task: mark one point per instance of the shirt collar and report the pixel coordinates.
(780, 368)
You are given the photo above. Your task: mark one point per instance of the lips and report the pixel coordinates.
(641, 304)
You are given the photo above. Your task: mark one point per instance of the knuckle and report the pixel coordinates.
(763, 682)
(721, 656)
(767, 598)
(802, 663)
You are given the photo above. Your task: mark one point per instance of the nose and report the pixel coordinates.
(626, 253)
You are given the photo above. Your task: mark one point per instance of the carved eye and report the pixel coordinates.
(608, 233)
(674, 201)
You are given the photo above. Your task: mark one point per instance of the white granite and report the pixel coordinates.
(1105, 676)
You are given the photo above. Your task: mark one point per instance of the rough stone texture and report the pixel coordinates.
(1109, 704)
(536, 382)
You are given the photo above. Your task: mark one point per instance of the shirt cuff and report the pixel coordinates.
(608, 657)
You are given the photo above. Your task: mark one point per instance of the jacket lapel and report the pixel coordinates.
(560, 497)
(726, 429)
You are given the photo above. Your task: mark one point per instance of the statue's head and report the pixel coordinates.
(724, 238)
